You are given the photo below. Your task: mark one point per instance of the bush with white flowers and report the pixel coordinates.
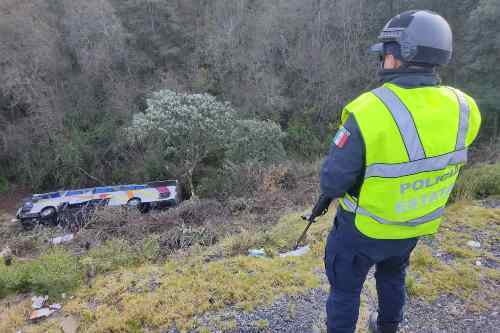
(187, 128)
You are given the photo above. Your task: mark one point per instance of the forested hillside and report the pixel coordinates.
(239, 100)
(73, 74)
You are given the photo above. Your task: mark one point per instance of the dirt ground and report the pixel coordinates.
(10, 200)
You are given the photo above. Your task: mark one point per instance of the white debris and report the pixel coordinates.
(473, 244)
(38, 301)
(6, 252)
(62, 239)
(257, 253)
(40, 311)
(13, 220)
(55, 306)
(296, 253)
(43, 312)
(478, 263)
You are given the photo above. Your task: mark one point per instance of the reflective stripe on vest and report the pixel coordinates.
(411, 168)
(404, 121)
(418, 162)
(354, 208)
(463, 125)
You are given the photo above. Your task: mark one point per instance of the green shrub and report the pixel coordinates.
(247, 179)
(151, 248)
(4, 184)
(110, 256)
(53, 273)
(58, 271)
(478, 182)
(232, 180)
(303, 143)
(185, 236)
(13, 278)
(254, 140)
(187, 128)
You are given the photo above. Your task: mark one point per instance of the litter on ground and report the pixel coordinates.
(41, 313)
(296, 253)
(474, 244)
(257, 253)
(62, 239)
(38, 301)
(40, 310)
(6, 252)
(55, 306)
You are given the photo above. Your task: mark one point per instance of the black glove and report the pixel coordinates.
(321, 208)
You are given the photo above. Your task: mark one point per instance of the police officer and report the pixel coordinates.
(393, 164)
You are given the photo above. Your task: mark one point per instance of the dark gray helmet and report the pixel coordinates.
(423, 36)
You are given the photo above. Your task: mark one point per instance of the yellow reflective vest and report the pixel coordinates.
(416, 141)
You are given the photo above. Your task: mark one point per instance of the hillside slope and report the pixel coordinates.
(452, 287)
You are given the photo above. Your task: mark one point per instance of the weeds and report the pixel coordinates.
(57, 271)
(457, 279)
(185, 236)
(478, 182)
(292, 180)
(205, 276)
(112, 255)
(411, 285)
(422, 258)
(430, 277)
(190, 286)
(53, 273)
(14, 317)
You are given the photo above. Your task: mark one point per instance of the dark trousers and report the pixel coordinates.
(348, 257)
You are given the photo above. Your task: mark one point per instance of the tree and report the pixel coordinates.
(185, 128)
(480, 71)
(74, 72)
(256, 141)
(94, 35)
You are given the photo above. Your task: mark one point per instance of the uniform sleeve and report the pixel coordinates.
(343, 168)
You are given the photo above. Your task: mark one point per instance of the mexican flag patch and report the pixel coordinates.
(341, 137)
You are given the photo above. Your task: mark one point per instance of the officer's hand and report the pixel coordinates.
(309, 217)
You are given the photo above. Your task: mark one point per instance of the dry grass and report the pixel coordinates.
(448, 266)
(478, 182)
(188, 285)
(201, 279)
(13, 316)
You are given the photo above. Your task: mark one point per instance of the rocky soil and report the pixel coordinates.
(306, 313)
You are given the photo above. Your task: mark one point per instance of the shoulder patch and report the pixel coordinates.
(341, 137)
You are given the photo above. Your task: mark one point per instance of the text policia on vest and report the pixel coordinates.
(429, 197)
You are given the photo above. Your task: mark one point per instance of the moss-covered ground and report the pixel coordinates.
(153, 297)
(445, 264)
